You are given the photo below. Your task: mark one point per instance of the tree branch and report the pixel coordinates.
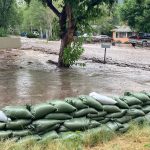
(53, 8)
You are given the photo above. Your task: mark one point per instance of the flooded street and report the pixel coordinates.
(26, 77)
(28, 86)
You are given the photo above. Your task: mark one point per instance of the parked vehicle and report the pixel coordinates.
(140, 39)
(102, 38)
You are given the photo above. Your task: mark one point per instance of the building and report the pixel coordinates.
(122, 33)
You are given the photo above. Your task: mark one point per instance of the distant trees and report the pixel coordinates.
(9, 14)
(137, 14)
(37, 17)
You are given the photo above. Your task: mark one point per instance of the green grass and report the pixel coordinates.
(138, 137)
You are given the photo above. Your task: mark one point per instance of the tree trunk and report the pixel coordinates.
(67, 27)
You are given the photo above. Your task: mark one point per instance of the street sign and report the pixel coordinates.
(105, 45)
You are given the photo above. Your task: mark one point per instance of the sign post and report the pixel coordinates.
(105, 45)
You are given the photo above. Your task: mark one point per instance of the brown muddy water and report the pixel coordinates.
(23, 86)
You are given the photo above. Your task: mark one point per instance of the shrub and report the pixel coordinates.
(3, 32)
(118, 42)
(127, 42)
(73, 52)
(31, 35)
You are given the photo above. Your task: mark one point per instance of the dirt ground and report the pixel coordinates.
(122, 55)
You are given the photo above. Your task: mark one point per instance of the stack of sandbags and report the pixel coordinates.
(58, 118)
(17, 124)
(84, 105)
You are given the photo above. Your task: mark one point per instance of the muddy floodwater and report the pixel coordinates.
(21, 86)
(26, 75)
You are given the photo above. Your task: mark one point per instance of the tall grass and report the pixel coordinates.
(138, 137)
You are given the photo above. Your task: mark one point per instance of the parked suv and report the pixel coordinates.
(102, 38)
(140, 39)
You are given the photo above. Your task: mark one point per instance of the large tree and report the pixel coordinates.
(73, 15)
(137, 14)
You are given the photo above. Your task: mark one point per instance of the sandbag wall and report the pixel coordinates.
(52, 119)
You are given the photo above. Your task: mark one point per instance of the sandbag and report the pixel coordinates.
(116, 115)
(135, 113)
(130, 100)
(111, 108)
(76, 102)
(98, 118)
(94, 124)
(40, 110)
(135, 107)
(69, 135)
(123, 119)
(29, 138)
(100, 114)
(114, 126)
(147, 118)
(17, 112)
(3, 117)
(18, 124)
(146, 103)
(58, 116)
(125, 128)
(121, 103)
(105, 120)
(98, 130)
(103, 99)
(91, 102)
(146, 109)
(2, 125)
(54, 127)
(49, 136)
(147, 93)
(62, 106)
(5, 135)
(21, 133)
(84, 112)
(141, 96)
(44, 124)
(77, 124)
(63, 129)
(139, 120)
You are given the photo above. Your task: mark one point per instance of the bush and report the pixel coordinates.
(73, 52)
(31, 35)
(118, 42)
(3, 32)
(127, 42)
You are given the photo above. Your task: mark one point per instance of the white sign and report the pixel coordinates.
(105, 45)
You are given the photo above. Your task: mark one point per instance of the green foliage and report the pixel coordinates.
(9, 13)
(3, 32)
(137, 14)
(31, 35)
(73, 52)
(37, 17)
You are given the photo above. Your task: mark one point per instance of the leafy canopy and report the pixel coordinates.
(137, 14)
(83, 10)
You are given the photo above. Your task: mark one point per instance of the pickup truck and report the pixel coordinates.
(140, 39)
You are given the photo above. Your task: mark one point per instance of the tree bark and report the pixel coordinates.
(67, 28)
